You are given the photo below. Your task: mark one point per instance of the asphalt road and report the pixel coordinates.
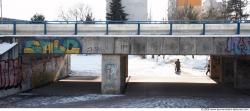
(82, 94)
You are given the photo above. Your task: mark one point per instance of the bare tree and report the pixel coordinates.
(215, 11)
(80, 12)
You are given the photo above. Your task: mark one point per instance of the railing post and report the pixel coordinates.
(238, 27)
(14, 28)
(204, 29)
(138, 28)
(107, 28)
(171, 29)
(45, 28)
(76, 29)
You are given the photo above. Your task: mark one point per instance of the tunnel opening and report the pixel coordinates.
(146, 76)
(162, 68)
(156, 75)
(84, 68)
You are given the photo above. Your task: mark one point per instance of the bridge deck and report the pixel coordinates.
(133, 44)
(128, 28)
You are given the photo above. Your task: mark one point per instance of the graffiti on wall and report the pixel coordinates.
(238, 45)
(47, 46)
(10, 73)
(110, 70)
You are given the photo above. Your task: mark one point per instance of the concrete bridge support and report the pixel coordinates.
(241, 70)
(114, 73)
(231, 69)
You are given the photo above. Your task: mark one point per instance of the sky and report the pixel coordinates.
(25, 9)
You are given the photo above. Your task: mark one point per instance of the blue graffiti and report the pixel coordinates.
(238, 45)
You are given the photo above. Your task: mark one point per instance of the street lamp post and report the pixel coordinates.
(1, 6)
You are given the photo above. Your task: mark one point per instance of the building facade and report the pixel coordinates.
(136, 9)
(207, 4)
(171, 9)
(174, 5)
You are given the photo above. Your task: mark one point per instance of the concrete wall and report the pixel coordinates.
(23, 72)
(45, 69)
(36, 71)
(124, 29)
(136, 9)
(114, 73)
(12, 80)
(216, 69)
(242, 76)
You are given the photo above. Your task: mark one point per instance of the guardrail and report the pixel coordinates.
(174, 27)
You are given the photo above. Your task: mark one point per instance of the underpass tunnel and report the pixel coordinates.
(151, 66)
(161, 68)
(145, 74)
(151, 69)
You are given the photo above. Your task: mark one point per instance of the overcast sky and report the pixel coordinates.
(25, 9)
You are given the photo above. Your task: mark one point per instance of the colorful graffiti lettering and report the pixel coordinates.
(238, 45)
(10, 73)
(47, 46)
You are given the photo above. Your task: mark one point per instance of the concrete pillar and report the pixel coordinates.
(235, 73)
(215, 69)
(242, 69)
(113, 73)
(227, 69)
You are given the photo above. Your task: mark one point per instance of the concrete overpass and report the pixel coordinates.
(225, 42)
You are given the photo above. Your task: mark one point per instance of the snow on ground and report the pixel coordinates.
(6, 46)
(90, 65)
(38, 101)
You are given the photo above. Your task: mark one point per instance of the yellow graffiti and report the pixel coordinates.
(47, 47)
(28, 50)
(73, 51)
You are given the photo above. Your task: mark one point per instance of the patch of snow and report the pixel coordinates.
(44, 101)
(4, 47)
(87, 65)
(90, 65)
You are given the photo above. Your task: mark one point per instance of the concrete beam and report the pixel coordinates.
(136, 45)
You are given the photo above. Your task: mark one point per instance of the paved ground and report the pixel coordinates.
(84, 94)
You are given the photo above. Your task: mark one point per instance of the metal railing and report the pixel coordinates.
(170, 23)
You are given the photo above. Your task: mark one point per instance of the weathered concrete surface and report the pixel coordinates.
(241, 70)
(98, 45)
(23, 29)
(122, 45)
(138, 45)
(12, 80)
(44, 69)
(113, 73)
(90, 29)
(125, 29)
(221, 29)
(135, 45)
(216, 68)
(154, 29)
(228, 69)
(23, 72)
(6, 29)
(187, 29)
(60, 29)
(171, 45)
